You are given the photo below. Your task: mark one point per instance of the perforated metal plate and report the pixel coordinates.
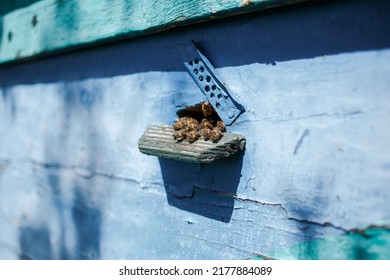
(215, 92)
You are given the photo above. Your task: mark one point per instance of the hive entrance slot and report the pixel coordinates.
(191, 143)
(198, 122)
(196, 111)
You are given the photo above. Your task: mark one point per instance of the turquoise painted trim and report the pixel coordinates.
(371, 243)
(52, 25)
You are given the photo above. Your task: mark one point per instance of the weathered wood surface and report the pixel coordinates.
(158, 141)
(313, 181)
(52, 25)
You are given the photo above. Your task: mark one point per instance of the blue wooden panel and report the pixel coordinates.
(314, 81)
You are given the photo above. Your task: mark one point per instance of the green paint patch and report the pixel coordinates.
(372, 243)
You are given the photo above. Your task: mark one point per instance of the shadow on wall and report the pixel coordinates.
(54, 183)
(9, 100)
(203, 189)
(35, 244)
(85, 217)
(87, 221)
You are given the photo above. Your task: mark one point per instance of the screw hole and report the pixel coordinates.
(207, 88)
(208, 79)
(212, 95)
(34, 20)
(190, 63)
(196, 71)
(201, 69)
(213, 87)
(196, 61)
(218, 105)
(201, 78)
(10, 35)
(219, 96)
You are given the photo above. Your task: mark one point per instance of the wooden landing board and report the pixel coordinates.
(50, 25)
(158, 141)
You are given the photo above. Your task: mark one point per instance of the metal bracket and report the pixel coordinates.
(204, 75)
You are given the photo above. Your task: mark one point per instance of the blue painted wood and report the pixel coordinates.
(314, 82)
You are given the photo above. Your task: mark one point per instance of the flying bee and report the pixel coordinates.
(180, 135)
(206, 124)
(207, 109)
(205, 133)
(192, 136)
(221, 126)
(215, 135)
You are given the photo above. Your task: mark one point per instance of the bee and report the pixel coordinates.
(192, 136)
(180, 124)
(207, 109)
(192, 124)
(221, 126)
(192, 120)
(186, 123)
(205, 133)
(190, 129)
(180, 135)
(215, 135)
(206, 124)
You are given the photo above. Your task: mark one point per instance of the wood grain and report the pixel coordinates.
(157, 141)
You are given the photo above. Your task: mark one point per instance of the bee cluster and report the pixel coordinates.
(190, 129)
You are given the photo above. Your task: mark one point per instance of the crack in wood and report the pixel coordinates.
(90, 174)
(319, 115)
(324, 224)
